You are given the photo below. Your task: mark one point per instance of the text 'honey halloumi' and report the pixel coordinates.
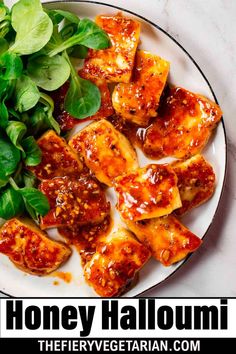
(106, 152)
(147, 192)
(73, 202)
(184, 124)
(117, 259)
(138, 100)
(168, 240)
(196, 182)
(30, 249)
(115, 64)
(58, 159)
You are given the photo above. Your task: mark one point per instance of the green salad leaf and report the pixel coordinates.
(83, 98)
(5, 22)
(88, 34)
(3, 11)
(16, 131)
(79, 51)
(33, 154)
(54, 16)
(5, 93)
(9, 157)
(91, 35)
(14, 114)
(37, 123)
(11, 204)
(26, 94)
(49, 73)
(3, 179)
(3, 45)
(29, 179)
(67, 31)
(54, 41)
(3, 113)
(49, 108)
(11, 66)
(36, 45)
(35, 200)
(33, 33)
(69, 16)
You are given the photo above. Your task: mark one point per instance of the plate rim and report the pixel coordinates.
(215, 98)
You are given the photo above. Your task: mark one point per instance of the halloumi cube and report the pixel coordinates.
(196, 182)
(184, 124)
(106, 151)
(138, 100)
(118, 258)
(115, 64)
(73, 202)
(58, 159)
(30, 249)
(147, 192)
(168, 240)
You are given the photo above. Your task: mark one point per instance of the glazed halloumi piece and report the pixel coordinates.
(183, 126)
(86, 237)
(138, 100)
(30, 249)
(73, 202)
(196, 182)
(58, 159)
(115, 64)
(106, 151)
(147, 192)
(168, 240)
(118, 258)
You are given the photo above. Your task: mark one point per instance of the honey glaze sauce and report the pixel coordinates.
(65, 276)
(85, 237)
(181, 129)
(136, 133)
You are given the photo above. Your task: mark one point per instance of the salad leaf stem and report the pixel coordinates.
(13, 184)
(48, 102)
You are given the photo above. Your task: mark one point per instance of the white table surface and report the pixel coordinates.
(207, 30)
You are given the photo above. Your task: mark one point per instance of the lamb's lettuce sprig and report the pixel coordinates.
(36, 46)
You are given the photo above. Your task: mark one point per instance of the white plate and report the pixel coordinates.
(184, 72)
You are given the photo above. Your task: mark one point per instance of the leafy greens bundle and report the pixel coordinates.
(35, 49)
